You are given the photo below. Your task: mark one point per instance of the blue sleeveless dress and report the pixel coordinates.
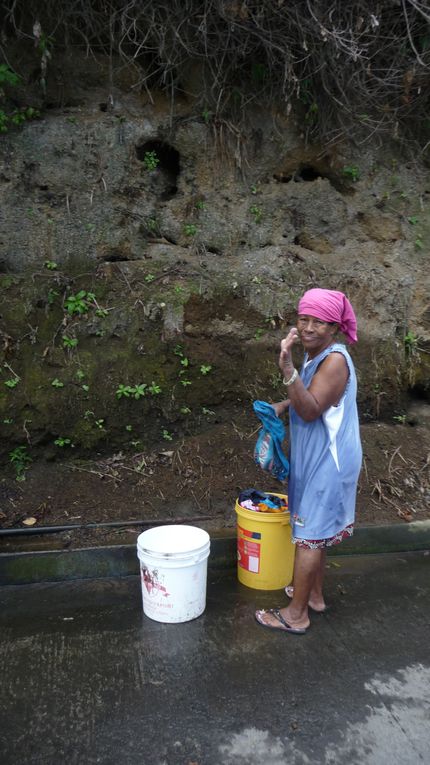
(325, 460)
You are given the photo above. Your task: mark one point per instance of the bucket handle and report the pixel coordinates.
(197, 559)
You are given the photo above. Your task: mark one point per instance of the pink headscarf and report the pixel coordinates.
(332, 306)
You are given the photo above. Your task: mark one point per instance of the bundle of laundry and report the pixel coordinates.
(268, 453)
(262, 502)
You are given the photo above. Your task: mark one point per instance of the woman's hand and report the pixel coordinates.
(285, 359)
(288, 342)
(281, 407)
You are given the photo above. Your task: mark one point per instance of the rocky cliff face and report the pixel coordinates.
(151, 262)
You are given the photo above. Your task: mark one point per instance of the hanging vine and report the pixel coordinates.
(351, 68)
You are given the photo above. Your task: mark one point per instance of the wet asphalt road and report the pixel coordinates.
(87, 678)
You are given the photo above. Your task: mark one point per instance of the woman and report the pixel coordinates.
(325, 448)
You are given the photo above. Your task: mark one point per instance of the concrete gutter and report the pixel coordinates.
(121, 560)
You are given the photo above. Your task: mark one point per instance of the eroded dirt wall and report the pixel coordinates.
(136, 294)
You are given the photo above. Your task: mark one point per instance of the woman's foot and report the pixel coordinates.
(317, 604)
(281, 619)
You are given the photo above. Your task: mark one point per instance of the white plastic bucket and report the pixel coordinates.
(173, 572)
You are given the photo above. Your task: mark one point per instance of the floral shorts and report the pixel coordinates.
(315, 544)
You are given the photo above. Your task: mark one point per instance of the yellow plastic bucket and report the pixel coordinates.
(265, 552)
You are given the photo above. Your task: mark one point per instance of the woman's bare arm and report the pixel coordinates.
(327, 386)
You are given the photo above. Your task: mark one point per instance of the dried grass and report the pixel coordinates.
(357, 69)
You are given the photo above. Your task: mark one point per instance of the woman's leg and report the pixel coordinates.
(307, 570)
(316, 597)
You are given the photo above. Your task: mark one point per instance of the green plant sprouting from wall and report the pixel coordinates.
(352, 172)
(69, 342)
(80, 303)
(61, 441)
(20, 460)
(16, 117)
(137, 391)
(257, 212)
(12, 382)
(411, 344)
(150, 160)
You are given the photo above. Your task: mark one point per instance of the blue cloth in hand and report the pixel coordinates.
(268, 452)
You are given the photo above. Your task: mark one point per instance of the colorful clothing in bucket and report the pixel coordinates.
(325, 460)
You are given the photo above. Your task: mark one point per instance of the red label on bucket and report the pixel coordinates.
(248, 552)
(152, 584)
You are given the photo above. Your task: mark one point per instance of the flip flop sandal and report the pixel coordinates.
(289, 591)
(277, 614)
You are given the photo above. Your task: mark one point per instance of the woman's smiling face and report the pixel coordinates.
(315, 334)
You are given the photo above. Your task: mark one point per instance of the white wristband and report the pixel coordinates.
(293, 377)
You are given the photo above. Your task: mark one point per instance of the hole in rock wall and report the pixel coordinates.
(168, 167)
(419, 394)
(302, 174)
(308, 173)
